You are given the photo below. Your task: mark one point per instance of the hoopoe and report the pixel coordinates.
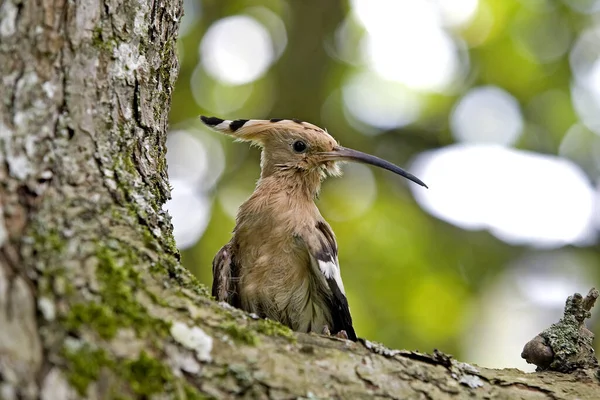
(282, 261)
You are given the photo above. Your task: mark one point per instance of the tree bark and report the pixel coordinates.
(93, 300)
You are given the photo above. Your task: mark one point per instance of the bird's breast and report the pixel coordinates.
(277, 282)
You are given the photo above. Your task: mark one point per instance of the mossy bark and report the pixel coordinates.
(93, 300)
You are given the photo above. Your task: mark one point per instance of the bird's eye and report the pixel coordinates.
(299, 146)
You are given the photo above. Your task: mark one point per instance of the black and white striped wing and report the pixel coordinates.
(324, 254)
(226, 277)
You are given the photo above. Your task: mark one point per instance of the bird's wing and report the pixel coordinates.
(323, 251)
(226, 276)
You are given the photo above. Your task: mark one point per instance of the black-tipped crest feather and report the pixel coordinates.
(237, 124)
(211, 121)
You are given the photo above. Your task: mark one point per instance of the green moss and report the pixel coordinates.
(84, 365)
(99, 42)
(168, 242)
(191, 393)
(54, 241)
(48, 245)
(144, 375)
(273, 328)
(128, 163)
(149, 239)
(241, 334)
(183, 277)
(118, 307)
(147, 375)
(191, 283)
(48, 241)
(99, 317)
(157, 300)
(119, 281)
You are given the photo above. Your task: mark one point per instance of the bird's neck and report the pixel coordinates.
(280, 203)
(293, 183)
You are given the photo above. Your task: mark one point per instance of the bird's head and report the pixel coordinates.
(293, 145)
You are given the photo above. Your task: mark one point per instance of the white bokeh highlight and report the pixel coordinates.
(456, 13)
(544, 281)
(350, 196)
(380, 103)
(544, 35)
(274, 24)
(195, 161)
(190, 213)
(193, 12)
(585, 90)
(587, 105)
(237, 50)
(585, 57)
(487, 114)
(520, 197)
(430, 64)
(597, 208)
(582, 146)
(584, 6)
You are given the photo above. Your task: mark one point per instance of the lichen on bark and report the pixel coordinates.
(567, 345)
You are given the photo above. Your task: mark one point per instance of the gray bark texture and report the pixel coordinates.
(93, 301)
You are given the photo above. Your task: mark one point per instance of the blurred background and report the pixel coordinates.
(494, 104)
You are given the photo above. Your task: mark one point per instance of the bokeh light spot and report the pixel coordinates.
(585, 57)
(237, 50)
(584, 6)
(274, 24)
(195, 157)
(219, 98)
(544, 36)
(351, 196)
(587, 106)
(380, 103)
(195, 162)
(487, 115)
(520, 197)
(456, 13)
(190, 212)
(192, 12)
(585, 63)
(582, 146)
(430, 63)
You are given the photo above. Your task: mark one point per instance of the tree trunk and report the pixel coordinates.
(93, 300)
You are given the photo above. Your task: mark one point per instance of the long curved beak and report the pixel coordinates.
(340, 153)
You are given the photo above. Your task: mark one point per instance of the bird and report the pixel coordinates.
(282, 260)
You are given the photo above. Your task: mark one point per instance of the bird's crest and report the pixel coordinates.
(258, 130)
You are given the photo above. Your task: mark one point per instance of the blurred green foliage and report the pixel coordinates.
(412, 280)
